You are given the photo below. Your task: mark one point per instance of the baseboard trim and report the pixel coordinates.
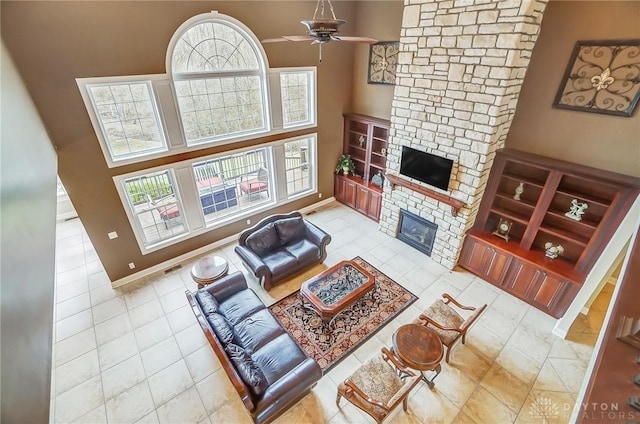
(186, 256)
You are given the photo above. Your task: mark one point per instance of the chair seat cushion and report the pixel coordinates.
(257, 330)
(304, 251)
(253, 186)
(444, 315)
(278, 357)
(377, 379)
(240, 305)
(279, 262)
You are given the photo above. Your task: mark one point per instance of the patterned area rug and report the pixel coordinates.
(329, 344)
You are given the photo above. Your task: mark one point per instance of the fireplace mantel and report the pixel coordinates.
(455, 204)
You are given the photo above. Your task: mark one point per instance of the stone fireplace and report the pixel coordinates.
(460, 69)
(417, 232)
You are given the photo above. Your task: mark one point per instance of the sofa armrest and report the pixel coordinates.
(317, 236)
(287, 389)
(227, 286)
(253, 261)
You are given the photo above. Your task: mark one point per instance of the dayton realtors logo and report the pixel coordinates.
(547, 410)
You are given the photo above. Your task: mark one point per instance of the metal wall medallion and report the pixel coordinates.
(383, 61)
(602, 77)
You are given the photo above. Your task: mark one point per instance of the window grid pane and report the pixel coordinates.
(213, 46)
(128, 121)
(295, 97)
(231, 184)
(216, 107)
(153, 200)
(297, 166)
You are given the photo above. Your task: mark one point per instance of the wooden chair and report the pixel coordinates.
(447, 323)
(379, 385)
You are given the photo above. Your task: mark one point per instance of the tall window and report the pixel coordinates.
(153, 201)
(128, 118)
(298, 167)
(296, 97)
(219, 82)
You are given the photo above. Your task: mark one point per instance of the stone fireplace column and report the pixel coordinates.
(461, 67)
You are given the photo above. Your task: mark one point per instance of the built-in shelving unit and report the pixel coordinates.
(520, 265)
(366, 140)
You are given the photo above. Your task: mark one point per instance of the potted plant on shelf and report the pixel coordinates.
(346, 165)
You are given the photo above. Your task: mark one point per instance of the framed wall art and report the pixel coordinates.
(602, 77)
(383, 61)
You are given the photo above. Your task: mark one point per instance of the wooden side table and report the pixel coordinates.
(208, 269)
(419, 348)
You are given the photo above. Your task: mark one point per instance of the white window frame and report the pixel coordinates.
(187, 193)
(311, 95)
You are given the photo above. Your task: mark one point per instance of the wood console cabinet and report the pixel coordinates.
(366, 140)
(549, 187)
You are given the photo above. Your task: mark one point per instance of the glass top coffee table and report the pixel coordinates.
(336, 289)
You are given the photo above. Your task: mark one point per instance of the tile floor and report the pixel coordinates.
(138, 355)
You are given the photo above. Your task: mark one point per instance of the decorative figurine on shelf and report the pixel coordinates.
(378, 179)
(503, 228)
(361, 140)
(519, 191)
(346, 165)
(552, 251)
(577, 209)
(383, 151)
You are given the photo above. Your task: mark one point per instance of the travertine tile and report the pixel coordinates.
(117, 350)
(160, 356)
(122, 376)
(202, 362)
(146, 313)
(97, 416)
(76, 371)
(153, 333)
(483, 407)
(190, 339)
(108, 309)
(169, 382)
(72, 306)
(78, 401)
(506, 387)
(74, 346)
(184, 408)
(139, 296)
(113, 328)
(130, 406)
(73, 325)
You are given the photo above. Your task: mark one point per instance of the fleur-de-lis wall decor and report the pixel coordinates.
(602, 77)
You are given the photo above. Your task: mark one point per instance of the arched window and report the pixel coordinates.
(218, 71)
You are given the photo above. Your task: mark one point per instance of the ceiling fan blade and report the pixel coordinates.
(289, 38)
(365, 40)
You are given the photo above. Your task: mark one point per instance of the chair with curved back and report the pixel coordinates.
(449, 324)
(379, 385)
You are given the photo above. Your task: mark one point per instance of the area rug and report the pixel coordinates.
(329, 345)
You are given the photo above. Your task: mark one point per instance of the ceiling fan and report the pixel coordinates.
(321, 30)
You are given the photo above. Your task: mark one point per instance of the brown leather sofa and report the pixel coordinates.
(265, 365)
(280, 246)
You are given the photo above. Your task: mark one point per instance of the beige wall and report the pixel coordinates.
(28, 210)
(67, 40)
(381, 20)
(601, 141)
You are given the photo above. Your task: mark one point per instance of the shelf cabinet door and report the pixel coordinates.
(485, 261)
(374, 206)
(362, 199)
(522, 277)
(345, 191)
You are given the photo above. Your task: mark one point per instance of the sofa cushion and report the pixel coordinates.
(257, 330)
(304, 251)
(278, 357)
(221, 327)
(240, 305)
(290, 230)
(208, 303)
(247, 369)
(279, 262)
(264, 240)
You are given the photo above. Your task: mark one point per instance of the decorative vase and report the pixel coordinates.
(345, 170)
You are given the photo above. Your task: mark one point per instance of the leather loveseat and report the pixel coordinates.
(281, 245)
(265, 365)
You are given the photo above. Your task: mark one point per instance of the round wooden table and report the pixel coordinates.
(419, 348)
(208, 269)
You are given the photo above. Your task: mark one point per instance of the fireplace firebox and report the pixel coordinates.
(417, 232)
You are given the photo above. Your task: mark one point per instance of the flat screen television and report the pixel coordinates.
(431, 169)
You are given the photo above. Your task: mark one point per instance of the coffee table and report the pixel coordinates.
(419, 348)
(329, 294)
